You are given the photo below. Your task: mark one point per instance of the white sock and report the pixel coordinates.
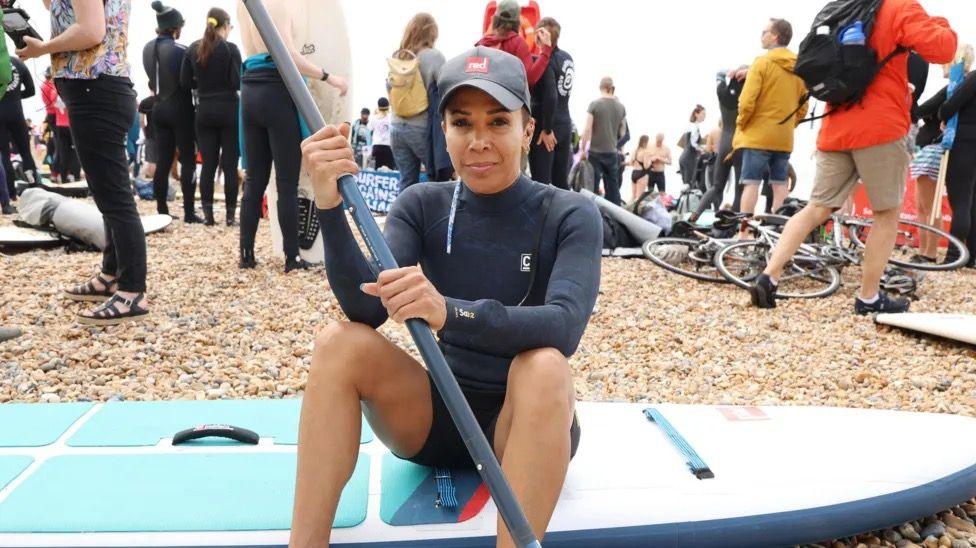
(872, 300)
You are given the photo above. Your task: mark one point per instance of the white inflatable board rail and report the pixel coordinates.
(16, 236)
(629, 484)
(958, 327)
(639, 228)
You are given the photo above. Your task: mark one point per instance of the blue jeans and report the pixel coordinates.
(606, 166)
(411, 146)
(756, 164)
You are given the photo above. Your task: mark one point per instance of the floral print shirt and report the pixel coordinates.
(106, 58)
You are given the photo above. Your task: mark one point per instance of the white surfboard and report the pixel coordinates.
(763, 480)
(16, 236)
(320, 33)
(958, 327)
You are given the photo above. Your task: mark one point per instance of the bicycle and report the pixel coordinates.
(830, 251)
(692, 256)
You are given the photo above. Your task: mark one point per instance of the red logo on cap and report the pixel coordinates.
(477, 64)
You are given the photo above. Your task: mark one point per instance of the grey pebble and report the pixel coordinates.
(934, 529)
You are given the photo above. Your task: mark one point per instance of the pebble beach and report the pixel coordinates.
(219, 332)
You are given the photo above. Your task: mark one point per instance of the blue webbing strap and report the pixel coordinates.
(694, 462)
(446, 497)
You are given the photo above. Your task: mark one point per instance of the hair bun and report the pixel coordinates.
(158, 6)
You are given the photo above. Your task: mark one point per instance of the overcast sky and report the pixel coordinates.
(663, 56)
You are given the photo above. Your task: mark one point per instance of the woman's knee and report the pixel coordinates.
(542, 380)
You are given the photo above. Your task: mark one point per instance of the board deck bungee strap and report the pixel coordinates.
(474, 439)
(694, 462)
(446, 494)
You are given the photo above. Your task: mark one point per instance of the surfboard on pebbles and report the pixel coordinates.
(957, 327)
(85, 474)
(17, 236)
(329, 49)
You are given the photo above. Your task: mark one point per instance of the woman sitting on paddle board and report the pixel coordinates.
(504, 269)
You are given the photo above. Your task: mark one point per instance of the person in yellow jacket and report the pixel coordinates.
(771, 93)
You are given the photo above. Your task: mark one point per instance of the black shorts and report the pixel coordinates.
(656, 179)
(444, 447)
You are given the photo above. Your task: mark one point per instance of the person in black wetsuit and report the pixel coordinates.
(504, 269)
(562, 63)
(544, 140)
(13, 129)
(213, 66)
(172, 115)
(728, 90)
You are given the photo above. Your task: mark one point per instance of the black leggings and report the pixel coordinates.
(15, 131)
(66, 158)
(217, 136)
(271, 135)
(961, 189)
(173, 130)
(540, 160)
(562, 156)
(102, 112)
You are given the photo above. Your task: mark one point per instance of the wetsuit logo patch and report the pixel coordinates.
(526, 262)
(476, 65)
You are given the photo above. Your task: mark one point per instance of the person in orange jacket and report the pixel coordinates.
(867, 143)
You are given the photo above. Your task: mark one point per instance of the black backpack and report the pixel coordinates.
(839, 74)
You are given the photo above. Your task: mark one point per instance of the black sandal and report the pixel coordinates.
(88, 292)
(109, 314)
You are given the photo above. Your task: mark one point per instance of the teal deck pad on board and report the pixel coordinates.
(408, 492)
(144, 423)
(37, 424)
(11, 467)
(168, 493)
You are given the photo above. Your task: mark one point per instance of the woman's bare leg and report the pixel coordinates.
(532, 434)
(924, 194)
(352, 363)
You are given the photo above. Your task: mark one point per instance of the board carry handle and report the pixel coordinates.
(694, 462)
(474, 439)
(227, 431)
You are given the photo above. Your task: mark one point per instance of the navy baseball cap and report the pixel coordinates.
(493, 71)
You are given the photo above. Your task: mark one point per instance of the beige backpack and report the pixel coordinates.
(408, 96)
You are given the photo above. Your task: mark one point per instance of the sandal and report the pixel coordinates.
(88, 292)
(109, 314)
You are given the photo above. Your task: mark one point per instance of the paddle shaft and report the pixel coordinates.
(447, 386)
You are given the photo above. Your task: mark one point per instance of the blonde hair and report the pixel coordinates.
(421, 33)
(964, 55)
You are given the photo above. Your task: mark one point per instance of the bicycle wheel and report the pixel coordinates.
(910, 235)
(686, 256)
(805, 276)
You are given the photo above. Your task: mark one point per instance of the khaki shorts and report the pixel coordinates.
(882, 169)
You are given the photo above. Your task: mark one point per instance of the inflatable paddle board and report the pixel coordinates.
(958, 327)
(83, 474)
(327, 48)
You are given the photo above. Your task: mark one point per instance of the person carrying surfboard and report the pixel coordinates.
(504, 269)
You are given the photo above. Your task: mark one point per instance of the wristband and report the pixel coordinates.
(325, 75)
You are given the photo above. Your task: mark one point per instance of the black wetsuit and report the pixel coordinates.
(562, 157)
(484, 280)
(544, 99)
(728, 103)
(13, 127)
(961, 172)
(272, 135)
(172, 120)
(217, 128)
